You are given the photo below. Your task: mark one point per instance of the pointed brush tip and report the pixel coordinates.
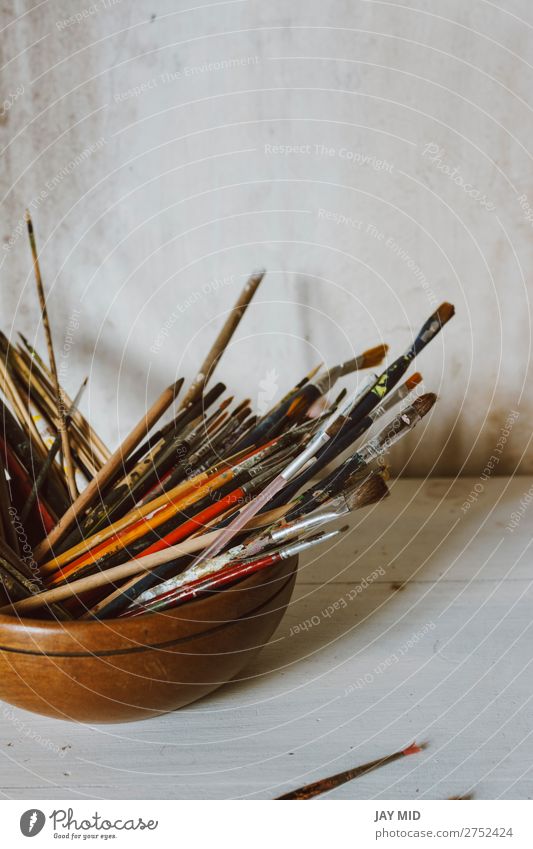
(414, 748)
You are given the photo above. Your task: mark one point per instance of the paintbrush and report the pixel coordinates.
(236, 493)
(41, 396)
(85, 499)
(222, 578)
(197, 486)
(221, 342)
(345, 439)
(145, 588)
(162, 520)
(146, 473)
(325, 433)
(54, 448)
(65, 444)
(144, 564)
(359, 419)
(394, 430)
(9, 534)
(23, 449)
(35, 373)
(20, 408)
(197, 434)
(364, 494)
(202, 510)
(20, 484)
(317, 788)
(20, 582)
(300, 401)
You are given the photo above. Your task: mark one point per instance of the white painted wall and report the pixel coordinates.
(180, 186)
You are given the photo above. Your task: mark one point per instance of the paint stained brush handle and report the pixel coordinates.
(85, 499)
(267, 427)
(54, 448)
(29, 458)
(123, 496)
(393, 430)
(227, 575)
(126, 494)
(192, 521)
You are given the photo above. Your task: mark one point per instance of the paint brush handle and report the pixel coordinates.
(85, 499)
(222, 340)
(243, 517)
(190, 591)
(226, 576)
(310, 791)
(268, 427)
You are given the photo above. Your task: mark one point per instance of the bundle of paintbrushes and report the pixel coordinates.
(185, 508)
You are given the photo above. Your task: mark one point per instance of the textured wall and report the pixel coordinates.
(373, 156)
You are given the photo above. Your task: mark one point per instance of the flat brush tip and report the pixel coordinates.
(445, 312)
(424, 404)
(413, 381)
(374, 356)
(370, 491)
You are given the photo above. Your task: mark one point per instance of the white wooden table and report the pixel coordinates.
(438, 648)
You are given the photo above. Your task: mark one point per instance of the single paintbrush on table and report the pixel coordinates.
(325, 785)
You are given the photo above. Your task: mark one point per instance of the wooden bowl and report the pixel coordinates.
(118, 670)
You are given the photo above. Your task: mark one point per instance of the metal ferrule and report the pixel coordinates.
(298, 547)
(314, 520)
(328, 380)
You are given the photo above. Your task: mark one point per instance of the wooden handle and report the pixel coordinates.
(221, 342)
(143, 563)
(109, 468)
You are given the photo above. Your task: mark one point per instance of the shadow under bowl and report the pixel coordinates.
(119, 670)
